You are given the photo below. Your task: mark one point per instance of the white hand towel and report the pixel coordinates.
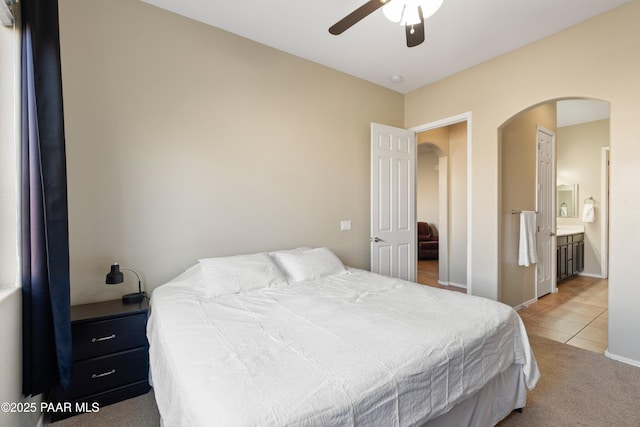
(589, 212)
(527, 254)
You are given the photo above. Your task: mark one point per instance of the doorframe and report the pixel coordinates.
(604, 212)
(447, 121)
(444, 277)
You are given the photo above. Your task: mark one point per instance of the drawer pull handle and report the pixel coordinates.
(110, 337)
(104, 374)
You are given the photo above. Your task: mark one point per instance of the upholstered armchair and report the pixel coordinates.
(427, 241)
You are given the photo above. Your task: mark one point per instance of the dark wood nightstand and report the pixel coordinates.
(110, 355)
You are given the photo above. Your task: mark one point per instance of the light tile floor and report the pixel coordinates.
(576, 315)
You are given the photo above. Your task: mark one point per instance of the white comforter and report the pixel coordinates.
(350, 349)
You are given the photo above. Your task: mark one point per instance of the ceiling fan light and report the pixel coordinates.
(429, 7)
(406, 12)
(393, 10)
(411, 16)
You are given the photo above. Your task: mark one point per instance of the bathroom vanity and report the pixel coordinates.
(570, 251)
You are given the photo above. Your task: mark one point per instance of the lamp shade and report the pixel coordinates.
(115, 276)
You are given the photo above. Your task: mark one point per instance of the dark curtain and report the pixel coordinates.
(46, 324)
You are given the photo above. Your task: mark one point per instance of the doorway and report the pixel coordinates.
(442, 200)
(582, 133)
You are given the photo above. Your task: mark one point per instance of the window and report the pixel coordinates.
(9, 115)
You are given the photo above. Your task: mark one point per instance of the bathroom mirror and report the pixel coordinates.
(567, 200)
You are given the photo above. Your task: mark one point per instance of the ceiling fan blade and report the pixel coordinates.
(415, 33)
(356, 16)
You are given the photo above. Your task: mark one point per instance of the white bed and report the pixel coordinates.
(294, 338)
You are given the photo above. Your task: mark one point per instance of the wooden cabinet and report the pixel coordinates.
(570, 255)
(110, 355)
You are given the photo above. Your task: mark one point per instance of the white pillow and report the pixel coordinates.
(292, 251)
(239, 273)
(311, 264)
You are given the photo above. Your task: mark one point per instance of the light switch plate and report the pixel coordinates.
(345, 225)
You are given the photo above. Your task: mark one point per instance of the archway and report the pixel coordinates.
(517, 148)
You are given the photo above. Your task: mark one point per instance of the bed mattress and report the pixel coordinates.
(344, 350)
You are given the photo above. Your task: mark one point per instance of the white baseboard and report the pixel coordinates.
(456, 285)
(595, 276)
(622, 359)
(525, 304)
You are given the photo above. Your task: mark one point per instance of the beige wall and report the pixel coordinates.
(597, 59)
(185, 141)
(518, 153)
(579, 157)
(458, 204)
(438, 137)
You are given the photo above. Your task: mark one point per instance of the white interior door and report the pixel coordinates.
(393, 211)
(546, 218)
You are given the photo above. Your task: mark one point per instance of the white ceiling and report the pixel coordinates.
(461, 34)
(575, 111)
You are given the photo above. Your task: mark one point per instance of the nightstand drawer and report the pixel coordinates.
(108, 336)
(107, 372)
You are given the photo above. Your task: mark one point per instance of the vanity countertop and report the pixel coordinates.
(567, 230)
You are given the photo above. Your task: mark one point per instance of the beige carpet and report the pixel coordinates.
(140, 411)
(577, 388)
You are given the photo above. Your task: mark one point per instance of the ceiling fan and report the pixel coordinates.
(409, 13)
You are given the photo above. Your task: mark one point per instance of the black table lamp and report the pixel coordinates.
(115, 277)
